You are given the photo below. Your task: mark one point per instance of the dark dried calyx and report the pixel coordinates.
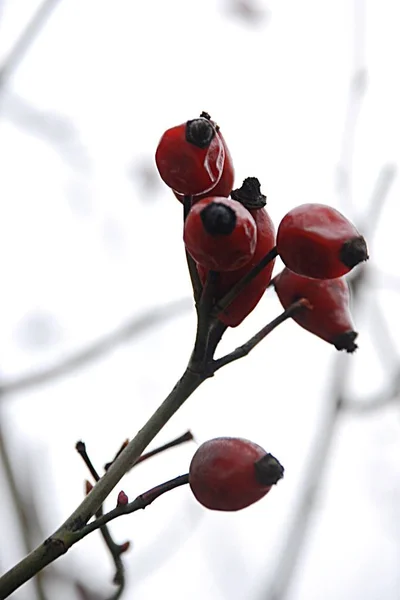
(268, 470)
(218, 219)
(346, 341)
(250, 194)
(200, 132)
(354, 251)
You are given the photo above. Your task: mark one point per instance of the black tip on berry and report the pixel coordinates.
(268, 470)
(199, 132)
(354, 251)
(345, 341)
(218, 219)
(250, 194)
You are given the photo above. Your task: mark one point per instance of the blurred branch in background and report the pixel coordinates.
(248, 11)
(25, 40)
(54, 128)
(380, 192)
(337, 403)
(26, 521)
(297, 529)
(356, 94)
(133, 328)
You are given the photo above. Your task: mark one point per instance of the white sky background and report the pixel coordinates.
(82, 246)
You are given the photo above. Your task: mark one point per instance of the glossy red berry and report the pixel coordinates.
(225, 184)
(232, 473)
(250, 296)
(329, 317)
(251, 197)
(190, 157)
(317, 241)
(220, 234)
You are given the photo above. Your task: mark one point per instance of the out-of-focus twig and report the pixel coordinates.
(283, 574)
(338, 402)
(247, 11)
(376, 401)
(53, 128)
(380, 193)
(81, 358)
(25, 40)
(387, 281)
(356, 94)
(19, 507)
(297, 528)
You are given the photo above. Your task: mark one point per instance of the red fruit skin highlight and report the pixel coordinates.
(222, 474)
(216, 250)
(187, 168)
(311, 238)
(225, 184)
(330, 317)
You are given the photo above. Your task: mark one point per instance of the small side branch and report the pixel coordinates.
(186, 437)
(246, 348)
(141, 502)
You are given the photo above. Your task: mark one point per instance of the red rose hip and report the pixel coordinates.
(190, 157)
(329, 318)
(251, 197)
(232, 473)
(225, 184)
(220, 234)
(317, 241)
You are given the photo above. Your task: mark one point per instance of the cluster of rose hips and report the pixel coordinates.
(229, 232)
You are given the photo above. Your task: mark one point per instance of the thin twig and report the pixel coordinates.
(26, 39)
(217, 331)
(246, 348)
(186, 437)
(139, 503)
(116, 550)
(194, 276)
(121, 449)
(200, 356)
(80, 447)
(92, 352)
